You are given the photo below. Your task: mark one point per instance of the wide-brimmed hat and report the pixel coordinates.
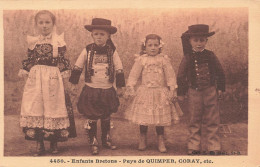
(198, 30)
(103, 24)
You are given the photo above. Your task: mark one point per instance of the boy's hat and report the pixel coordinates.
(99, 23)
(198, 30)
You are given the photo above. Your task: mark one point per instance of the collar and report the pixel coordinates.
(101, 49)
(193, 51)
(48, 37)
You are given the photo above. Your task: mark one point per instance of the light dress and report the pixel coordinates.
(151, 104)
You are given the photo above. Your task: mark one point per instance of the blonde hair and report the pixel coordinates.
(53, 18)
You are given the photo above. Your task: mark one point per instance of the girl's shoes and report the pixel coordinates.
(40, 149)
(142, 142)
(161, 145)
(54, 147)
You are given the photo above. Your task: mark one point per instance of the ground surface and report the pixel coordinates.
(125, 135)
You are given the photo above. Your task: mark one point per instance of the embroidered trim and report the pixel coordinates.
(90, 54)
(111, 67)
(43, 122)
(42, 54)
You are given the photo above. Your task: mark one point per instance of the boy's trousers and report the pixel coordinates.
(203, 108)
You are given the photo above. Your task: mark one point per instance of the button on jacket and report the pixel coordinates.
(200, 70)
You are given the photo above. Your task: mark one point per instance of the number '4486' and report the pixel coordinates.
(56, 161)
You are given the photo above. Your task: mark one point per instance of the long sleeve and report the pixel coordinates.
(135, 72)
(81, 59)
(31, 58)
(63, 63)
(27, 64)
(120, 78)
(169, 73)
(220, 76)
(182, 81)
(77, 69)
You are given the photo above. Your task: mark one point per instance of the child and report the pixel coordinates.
(200, 75)
(152, 102)
(43, 112)
(103, 72)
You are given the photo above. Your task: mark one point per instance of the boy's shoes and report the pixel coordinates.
(94, 146)
(193, 152)
(94, 150)
(142, 142)
(107, 142)
(197, 152)
(161, 145)
(216, 152)
(109, 145)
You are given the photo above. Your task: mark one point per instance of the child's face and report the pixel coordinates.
(152, 47)
(198, 43)
(100, 37)
(44, 24)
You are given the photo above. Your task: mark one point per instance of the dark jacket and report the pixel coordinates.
(199, 70)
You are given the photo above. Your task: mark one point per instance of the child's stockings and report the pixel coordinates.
(105, 137)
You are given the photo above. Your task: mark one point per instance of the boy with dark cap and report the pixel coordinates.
(103, 73)
(201, 76)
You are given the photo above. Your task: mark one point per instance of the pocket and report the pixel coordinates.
(53, 84)
(31, 81)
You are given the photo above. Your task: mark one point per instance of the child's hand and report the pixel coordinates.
(65, 84)
(181, 98)
(220, 94)
(119, 92)
(25, 78)
(176, 121)
(130, 92)
(73, 89)
(172, 95)
(23, 74)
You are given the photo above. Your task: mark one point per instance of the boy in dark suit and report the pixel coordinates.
(201, 76)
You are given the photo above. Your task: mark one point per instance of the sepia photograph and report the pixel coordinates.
(28, 107)
(126, 86)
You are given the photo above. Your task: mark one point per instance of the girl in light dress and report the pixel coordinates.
(152, 100)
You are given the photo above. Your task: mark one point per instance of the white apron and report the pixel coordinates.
(43, 103)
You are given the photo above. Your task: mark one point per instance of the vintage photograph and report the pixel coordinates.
(126, 82)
